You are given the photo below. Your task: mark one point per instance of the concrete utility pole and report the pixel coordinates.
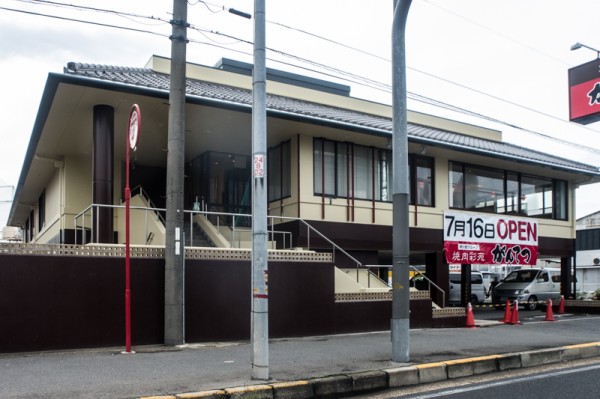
(401, 249)
(260, 276)
(174, 314)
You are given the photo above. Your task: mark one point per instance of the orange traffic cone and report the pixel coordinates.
(549, 314)
(514, 317)
(507, 313)
(470, 318)
(561, 305)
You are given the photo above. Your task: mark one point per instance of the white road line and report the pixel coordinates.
(505, 382)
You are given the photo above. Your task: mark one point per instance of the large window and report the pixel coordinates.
(498, 191)
(347, 170)
(42, 211)
(279, 171)
(422, 184)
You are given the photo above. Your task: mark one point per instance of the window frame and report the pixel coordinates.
(284, 168)
(559, 195)
(345, 152)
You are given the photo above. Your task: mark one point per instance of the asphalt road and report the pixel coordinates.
(159, 370)
(572, 380)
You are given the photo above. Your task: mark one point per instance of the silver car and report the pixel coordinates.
(531, 287)
(477, 288)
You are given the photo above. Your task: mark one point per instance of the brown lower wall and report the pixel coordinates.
(63, 302)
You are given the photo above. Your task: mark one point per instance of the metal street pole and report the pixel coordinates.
(134, 125)
(401, 249)
(174, 312)
(260, 290)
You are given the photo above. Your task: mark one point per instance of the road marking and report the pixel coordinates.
(505, 382)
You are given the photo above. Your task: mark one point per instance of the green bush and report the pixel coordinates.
(597, 294)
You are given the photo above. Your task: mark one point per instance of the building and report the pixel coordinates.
(6, 196)
(329, 169)
(588, 253)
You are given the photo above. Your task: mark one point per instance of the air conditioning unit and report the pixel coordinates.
(10, 233)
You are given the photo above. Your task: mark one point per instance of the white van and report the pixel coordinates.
(477, 288)
(531, 287)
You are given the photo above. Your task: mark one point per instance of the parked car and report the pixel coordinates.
(531, 287)
(477, 288)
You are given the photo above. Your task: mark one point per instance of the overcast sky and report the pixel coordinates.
(506, 61)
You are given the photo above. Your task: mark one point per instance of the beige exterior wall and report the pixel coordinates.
(54, 193)
(142, 224)
(68, 193)
(201, 72)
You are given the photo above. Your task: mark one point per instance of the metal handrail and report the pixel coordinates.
(235, 230)
(430, 284)
(333, 244)
(145, 195)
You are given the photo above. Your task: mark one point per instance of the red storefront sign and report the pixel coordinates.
(473, 238)
(584, 92)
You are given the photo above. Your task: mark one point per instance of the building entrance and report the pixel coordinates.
(220, 182)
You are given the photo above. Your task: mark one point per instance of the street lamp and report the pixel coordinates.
(578, 45)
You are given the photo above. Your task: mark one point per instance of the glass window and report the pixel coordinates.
(561, 194)
(324, 167)
(490, 190)
(484, 188)
(343, 166)
(274, 173)
(42, 211)
(363, 172)
(279, 171)
(456, 186)
(424, 187)
(355, 171)
(536, 196)
(512, 195)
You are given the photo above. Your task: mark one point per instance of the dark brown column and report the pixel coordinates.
(438, 270)
(465, 288)
(102, 172)
(566, 279)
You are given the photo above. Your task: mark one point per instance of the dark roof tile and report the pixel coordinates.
(148, 78)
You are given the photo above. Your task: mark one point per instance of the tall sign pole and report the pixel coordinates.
(174, 312)
(260, 276)
(134, 126)
(400, 242)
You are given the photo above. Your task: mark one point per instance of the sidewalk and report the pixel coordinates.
(357, 361)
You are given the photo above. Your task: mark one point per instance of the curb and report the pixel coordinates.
(377, 380)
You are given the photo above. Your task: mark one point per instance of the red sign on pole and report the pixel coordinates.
(133, 134)
(584, 92)
(473, 238)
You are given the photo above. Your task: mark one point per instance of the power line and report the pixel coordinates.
(86, 8)
(347, 76)
(427, 100)
(83, 21)
(500, 34)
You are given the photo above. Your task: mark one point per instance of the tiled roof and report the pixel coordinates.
(147, 78)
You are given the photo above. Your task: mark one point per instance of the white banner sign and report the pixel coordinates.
(474, 238)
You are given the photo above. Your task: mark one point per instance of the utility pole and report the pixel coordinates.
(174, 254)
(260, 276)
(401, 249)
